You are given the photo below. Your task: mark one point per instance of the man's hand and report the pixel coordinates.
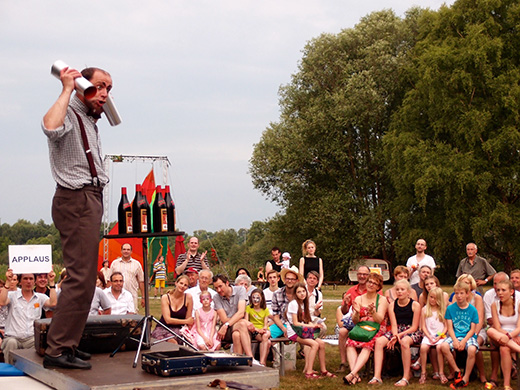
(480, 282)
(50, 277)
(9, 275)
(222, 332)
(142, 302)
(67, 77)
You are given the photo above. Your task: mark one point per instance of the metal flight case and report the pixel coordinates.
(102, 334)
(184, 361)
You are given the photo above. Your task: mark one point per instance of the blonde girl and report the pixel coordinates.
(404, 314)
(298, 314)
(434, 330)
(309, 261)
(506, 327)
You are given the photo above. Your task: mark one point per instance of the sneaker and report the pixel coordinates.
(457, 378)
(257, 363)
(462, 383)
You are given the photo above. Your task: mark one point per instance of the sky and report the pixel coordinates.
(195, 81)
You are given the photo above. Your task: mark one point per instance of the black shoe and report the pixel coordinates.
(65, 360)
(82, 355)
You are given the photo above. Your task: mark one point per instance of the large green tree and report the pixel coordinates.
(323, 161)
(453, 148)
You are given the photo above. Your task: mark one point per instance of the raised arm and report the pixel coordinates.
(55, 117)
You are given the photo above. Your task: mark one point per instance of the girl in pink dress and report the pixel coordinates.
(205, 333)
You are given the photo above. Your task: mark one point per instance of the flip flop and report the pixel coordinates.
(326, 374)
(375, 381)
(402, 383)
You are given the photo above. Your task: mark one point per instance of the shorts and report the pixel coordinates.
(293, 337)
(276, 332)
(483, 334)
(471, 342)
(160, 283)
(416, 336)
(228, 337)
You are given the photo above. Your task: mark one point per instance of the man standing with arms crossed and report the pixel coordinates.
(77, 208)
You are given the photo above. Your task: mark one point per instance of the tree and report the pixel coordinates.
(453, 148)
(323, 161)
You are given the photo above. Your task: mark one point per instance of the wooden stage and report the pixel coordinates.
(117, 373)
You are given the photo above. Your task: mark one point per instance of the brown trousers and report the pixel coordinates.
(77, 215)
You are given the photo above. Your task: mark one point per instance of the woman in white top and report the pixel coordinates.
(506, 327)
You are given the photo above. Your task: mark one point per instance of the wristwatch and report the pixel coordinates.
(486, 280)
(227, 324)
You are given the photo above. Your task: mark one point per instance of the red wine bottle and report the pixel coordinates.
(141, 218)
(124, 214)
(160, 212)
(170, 209)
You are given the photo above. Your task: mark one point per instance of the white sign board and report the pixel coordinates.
(30, 259)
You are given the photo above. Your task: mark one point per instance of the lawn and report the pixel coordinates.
(295, 380)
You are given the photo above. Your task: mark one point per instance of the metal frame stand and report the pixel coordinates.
(146, 321)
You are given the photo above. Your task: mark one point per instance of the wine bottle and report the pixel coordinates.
(160, 212)
(141, 222)
(124, 214)
(170, 209)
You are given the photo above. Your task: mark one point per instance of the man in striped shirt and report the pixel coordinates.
(192, 258)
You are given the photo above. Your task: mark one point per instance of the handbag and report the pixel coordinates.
(305, 332)
(365, 331)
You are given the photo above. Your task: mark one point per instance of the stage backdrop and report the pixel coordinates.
(156, 246)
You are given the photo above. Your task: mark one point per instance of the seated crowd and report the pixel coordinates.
(407, 317)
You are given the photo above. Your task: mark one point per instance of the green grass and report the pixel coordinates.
(295, 380)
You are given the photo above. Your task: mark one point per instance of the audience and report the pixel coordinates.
(301, 330)
(121, 301)
(400, 272)
(372, 307)
(462, 320)
(24, 306)
(411, 315)
(258, 316)
(505, 330)
(272, 278)
(404, 314)
(315, 301)
(424, 272)
(245, 281)
(205, 332)
(230, 304)
(176, 311)
(310, 262)
(434, 328)
(420, 258)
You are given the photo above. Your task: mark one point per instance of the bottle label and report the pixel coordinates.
(128, 216)
(144, 221)
(164, 220)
